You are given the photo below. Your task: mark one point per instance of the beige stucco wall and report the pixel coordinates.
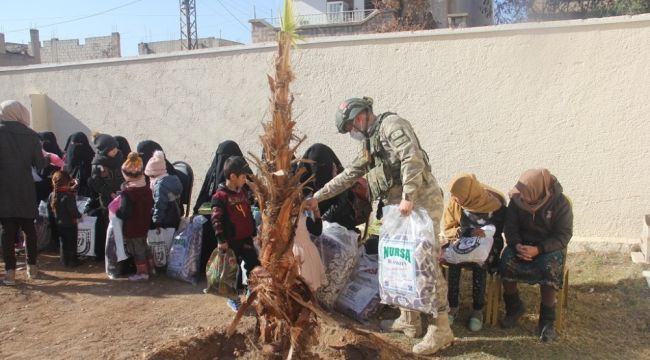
(570, 96)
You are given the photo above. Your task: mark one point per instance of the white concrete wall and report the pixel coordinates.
(570, 96)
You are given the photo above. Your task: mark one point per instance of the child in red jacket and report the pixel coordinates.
(232, 218)
(135, 212)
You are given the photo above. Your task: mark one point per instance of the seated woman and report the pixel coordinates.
(538, 227)
(472, 206)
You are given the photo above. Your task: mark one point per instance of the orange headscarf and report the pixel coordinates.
(533, 190)
(472, 195)
(467, 193)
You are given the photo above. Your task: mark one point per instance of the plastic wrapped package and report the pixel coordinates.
(159, 242)
(472, 249)
(185, 253)
(221, 273)
(338, 248)
(407, 260)
(86, 236)
(43, 233)
(360, 299)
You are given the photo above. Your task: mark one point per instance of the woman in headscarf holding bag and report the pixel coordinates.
(324, 165)
(213, 177)
(20, 150)
(539, 225)
(471, 207)
(78, 162)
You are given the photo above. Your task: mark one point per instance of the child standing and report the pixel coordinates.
(166, 214)
(166, 190)
(135, 212)
(62, 204)
(232, 218)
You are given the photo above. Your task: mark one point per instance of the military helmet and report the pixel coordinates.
(349, 109)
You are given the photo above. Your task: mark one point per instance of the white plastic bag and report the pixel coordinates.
(407, 260)
(471, 249)
(82, 202)
(42, 209)
(114, 250)
(43, 234)
(86, 236)
(159, 242)
(338, 248)
(360, 299)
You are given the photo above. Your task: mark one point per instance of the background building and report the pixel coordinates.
(58, 51)
(161, 47)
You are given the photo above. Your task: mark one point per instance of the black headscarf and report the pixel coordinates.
(146, 149)
(215, 175)
(49, 143)
(123, 145)
(78, 159)
(326, 165)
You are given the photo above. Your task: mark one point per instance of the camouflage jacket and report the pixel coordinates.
(401, 148)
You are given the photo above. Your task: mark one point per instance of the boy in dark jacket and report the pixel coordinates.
(62, 204)
(232, 218)
(135, 211)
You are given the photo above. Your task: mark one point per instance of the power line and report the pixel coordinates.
(241, 8)
(233, 15)
(79, 18)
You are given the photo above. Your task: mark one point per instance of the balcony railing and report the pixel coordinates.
(342, 17)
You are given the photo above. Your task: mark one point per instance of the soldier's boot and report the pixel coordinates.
(438, 336)
(409, 322)
(514, 310)
(546, 325)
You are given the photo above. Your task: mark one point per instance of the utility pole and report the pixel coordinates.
(189, 37)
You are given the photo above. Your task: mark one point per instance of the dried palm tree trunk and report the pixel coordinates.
(285, 306)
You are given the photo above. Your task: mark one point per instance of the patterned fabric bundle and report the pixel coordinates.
(339, 253)
(407, 260)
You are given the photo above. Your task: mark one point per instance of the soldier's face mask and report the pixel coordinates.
(357, 135)
(359, 127)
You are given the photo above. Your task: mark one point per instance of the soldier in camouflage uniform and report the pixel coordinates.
(398, 172)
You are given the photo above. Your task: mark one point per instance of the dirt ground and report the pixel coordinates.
(80, 314)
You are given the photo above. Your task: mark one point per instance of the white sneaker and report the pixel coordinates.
(476, 320)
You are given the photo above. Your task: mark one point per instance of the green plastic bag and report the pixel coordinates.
(205, 208)
(221, 273)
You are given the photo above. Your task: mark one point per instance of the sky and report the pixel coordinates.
(136, 20)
